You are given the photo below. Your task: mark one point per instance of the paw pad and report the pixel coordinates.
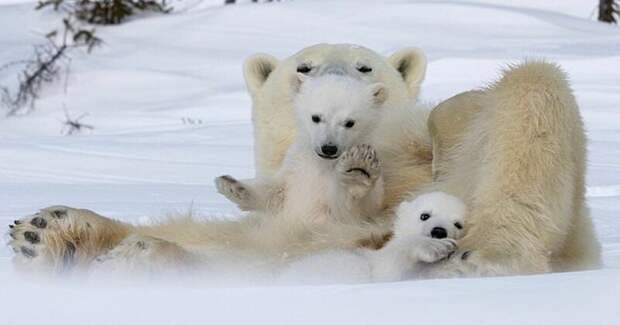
(32, 237)
(59, 214)
(39, 222)
(360, 160)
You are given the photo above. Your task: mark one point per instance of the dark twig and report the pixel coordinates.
(45, 66)
(73, 126)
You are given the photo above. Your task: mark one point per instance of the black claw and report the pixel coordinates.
(12, 235)
(39, 222)
(32, 237)
(28, 252)
(141, 244)
(450, 255)
(465, 255)
(17, 222)
(359, 170)
(229, 178)
(68, 257)
(59, 214)
(11, 226)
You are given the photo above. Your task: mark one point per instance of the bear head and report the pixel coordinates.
(268, 81)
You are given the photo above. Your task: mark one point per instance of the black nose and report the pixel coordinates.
(439, 233)
(329, 150)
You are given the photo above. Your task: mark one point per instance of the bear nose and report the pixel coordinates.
(329, 150)
(439, 233)
(337, 70)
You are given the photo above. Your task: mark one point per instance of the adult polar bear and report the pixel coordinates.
(514, 152)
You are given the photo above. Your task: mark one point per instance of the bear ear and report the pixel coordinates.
(257, 69)
(411, 64)
(378, 92)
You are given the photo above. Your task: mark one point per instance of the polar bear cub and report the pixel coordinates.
(330, 176)
(425, 231)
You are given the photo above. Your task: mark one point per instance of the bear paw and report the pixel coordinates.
(473, 263)
(57, 238)
(139, 255)
(38, 240)
(431, 250)
(465, 263)
(359, 166)
(235, 191)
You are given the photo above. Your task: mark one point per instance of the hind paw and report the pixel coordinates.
(139, 255)
(33, 240)
(57, 238)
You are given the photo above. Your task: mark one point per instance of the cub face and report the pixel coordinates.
(336, 112)
(436, 215)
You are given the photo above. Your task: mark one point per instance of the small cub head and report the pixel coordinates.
(437, 215)
(336, 112)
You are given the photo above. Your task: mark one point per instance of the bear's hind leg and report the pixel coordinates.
(57, 239)
(139, 255)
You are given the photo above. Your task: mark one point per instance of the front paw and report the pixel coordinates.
(462, 264)
(359, 166)
(233, 190)
(431, 250)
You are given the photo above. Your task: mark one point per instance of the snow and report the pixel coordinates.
(170, 110)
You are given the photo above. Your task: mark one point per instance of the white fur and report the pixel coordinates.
(312, 191)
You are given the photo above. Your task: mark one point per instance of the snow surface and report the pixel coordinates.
(170, 110)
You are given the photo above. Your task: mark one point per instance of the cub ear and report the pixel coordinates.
(411, 64)
(256, 70)
(378, 92)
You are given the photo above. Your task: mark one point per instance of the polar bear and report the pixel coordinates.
(425, 231)
(329, 174)
(404, 144)
(514, 152)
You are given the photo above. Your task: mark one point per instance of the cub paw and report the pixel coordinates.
(432, 250)
(233, 190)
(359, 165)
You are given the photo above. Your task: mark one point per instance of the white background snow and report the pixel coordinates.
(144, 158)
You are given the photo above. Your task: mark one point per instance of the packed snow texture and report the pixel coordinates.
(170, 110)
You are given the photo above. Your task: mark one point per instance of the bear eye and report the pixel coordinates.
(349, 124)
(458, 225)
(316, 119)
(425, 216)
(364, 69)
(304, 68)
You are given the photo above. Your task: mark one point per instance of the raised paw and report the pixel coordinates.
(31, 243)
(431, 250)
(234, 190)
(359, 165)
(56, 238)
